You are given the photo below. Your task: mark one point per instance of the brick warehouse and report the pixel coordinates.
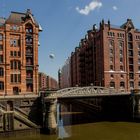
(108, 56)
(19, 54)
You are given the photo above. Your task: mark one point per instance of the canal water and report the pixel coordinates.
(94, 131)
(80, 125)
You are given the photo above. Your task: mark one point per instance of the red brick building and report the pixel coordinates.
(108, 56)
(19, 54)
(46, 82)
(52, 84)
(42, 81)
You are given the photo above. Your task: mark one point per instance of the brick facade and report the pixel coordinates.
(108, 56)
(19, 54)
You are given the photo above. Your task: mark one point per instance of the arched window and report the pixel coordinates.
(112, 84)
(1, 72)
(1, 85)
(129, 37)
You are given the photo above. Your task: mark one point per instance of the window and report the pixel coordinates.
(121, 60)
(130, 53)
(121, 52)
(122, 76)
(1, 58)
(1, 37)
(111, 76)
(1, 47)
(131, 76)
(111, 43)
(15, 64)
(130, 46)
(122, 84)
(131, 84)
(1, 72)
(138, 53)
(19, 65)
(129, 37)
(29, 40)
(15, 78)
(11, 53)
(130, 60)
(131, 69)
(15, 53)
(112, 84)
(111, 67)
(111, 51)
(139, 46)
(19, 53)
(121, 68)
(121, 45)
(138, 60)
(138, 68)
(111, 59)
(139, 83)
(1, 85)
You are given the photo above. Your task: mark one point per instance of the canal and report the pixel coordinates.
(77, 124)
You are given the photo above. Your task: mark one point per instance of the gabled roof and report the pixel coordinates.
(128, 24)
(18, 18)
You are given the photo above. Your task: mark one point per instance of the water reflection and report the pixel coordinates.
(75, 124)
(62, 131)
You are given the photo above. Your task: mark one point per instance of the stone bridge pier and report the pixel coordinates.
(49, 116)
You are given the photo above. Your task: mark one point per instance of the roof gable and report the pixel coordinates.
(19, 18)
(128, 25)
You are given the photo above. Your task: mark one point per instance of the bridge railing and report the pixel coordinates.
(84, 91)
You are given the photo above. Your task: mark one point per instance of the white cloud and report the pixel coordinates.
(115, 8)
(90, 7)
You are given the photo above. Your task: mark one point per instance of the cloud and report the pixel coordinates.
(115, 8)
(90, 7)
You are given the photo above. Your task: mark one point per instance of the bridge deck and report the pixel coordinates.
(85, 92)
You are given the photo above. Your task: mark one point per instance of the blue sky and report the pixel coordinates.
(65, 23)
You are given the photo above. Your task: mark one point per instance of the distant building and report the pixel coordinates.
(19, 54)
(42, 81)
(65, 75)
(52, 84)
(108, 56)
(59, 79)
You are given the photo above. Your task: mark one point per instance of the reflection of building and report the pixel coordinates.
(19, 54)
(108, 56)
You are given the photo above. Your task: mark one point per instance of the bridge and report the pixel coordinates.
(107, 99)
(84, 92)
